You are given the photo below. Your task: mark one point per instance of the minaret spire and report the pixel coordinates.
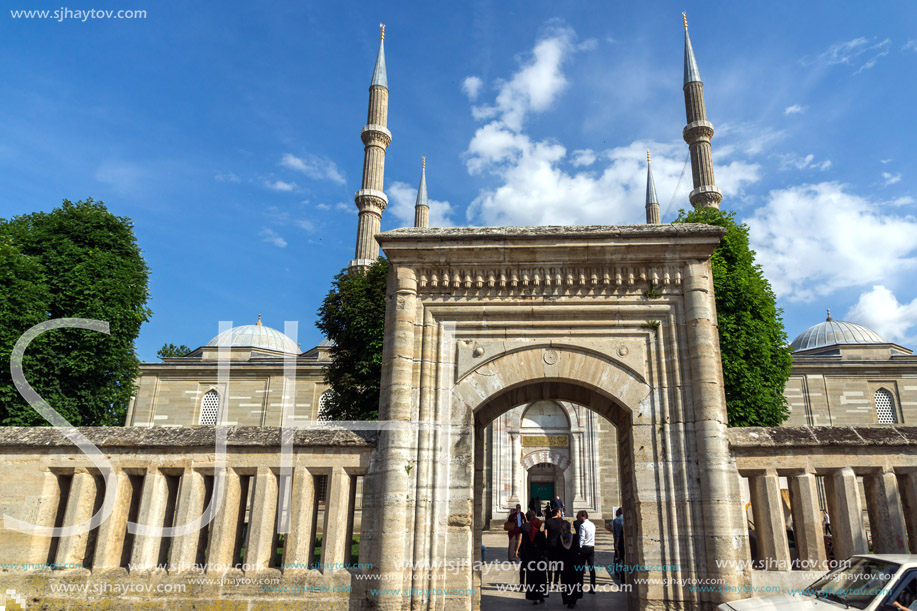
(698, 133)
(422, 208)
(370, 199)
(652, 204)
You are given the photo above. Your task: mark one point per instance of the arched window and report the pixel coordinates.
(210, 408)
(885, 407)
(323, 402)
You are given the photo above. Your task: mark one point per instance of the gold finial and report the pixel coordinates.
(259, 321)
(382, 31)
(684, 16)
(647, 155)
(423, 162)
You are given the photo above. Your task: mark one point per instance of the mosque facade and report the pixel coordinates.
(843, 374)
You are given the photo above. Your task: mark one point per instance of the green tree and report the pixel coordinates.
(353, 317)
(77, 261)
(753, 342)
(171, 351)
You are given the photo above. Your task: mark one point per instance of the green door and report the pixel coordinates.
(543, 490)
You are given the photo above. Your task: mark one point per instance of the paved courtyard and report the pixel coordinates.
(608, 598)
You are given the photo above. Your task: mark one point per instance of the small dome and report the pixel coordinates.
(256, 336)
(833, 332)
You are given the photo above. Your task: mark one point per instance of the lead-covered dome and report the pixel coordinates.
(256, 336)
(833, 332)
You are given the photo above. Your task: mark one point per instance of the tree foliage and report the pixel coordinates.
(171, 351)
(353, 317)
(753, 342)
(77, 261)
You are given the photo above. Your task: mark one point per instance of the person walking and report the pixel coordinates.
(617, 531)
(532, 551)
(571, 572)
(826, 520)
(511, 526)
(559, 505)
(553, 528)
(587, 545)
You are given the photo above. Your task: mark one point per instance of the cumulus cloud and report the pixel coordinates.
(313, 166)
(271, 237)
(279, 185)
(880, 310)
(402, 198)
(890, 178)
(472, 86)
(815, 239)
(795, 109)
(860, 52)
(803, 163)
(583, 157)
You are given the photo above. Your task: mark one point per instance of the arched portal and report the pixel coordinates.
(619, 320)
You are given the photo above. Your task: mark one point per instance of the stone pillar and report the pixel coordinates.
(770, 527)
(396, 446)
(807, 527)
(846, 513)
(153, 501)
(297, 550)
(908, 485)
(259, 547)
(721, 507)
(183, 552)
(335, 546)
(110, 538)
(576, 468)
(72, 549)
(226, 523)
(886, 515)
(515, 457)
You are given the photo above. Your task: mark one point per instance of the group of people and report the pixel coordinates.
(551, 551)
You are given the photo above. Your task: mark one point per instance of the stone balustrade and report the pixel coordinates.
(824, 467)
(167, 477)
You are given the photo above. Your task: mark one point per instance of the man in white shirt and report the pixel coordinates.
(587, 545)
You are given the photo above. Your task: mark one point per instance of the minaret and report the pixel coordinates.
(370, 199)
(422, 208)
(652, 204)
(697, 134)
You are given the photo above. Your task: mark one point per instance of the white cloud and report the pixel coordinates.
(345, 207)
(859, 52)
(583, 157)
(747, 139)
(313, 166)
(323, 206)
(795, 109)
(890, 178)
(880, 310)
(226, 177)
(815, 239)
(910, 45)
(803, 163)
(472, 86)
(402, 198)
(279, 185)
(271, 237)
(884, 161)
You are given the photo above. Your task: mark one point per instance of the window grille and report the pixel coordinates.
(323, 402)
(210, 408)
(885, 407)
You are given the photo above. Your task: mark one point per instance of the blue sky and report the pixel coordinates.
(229, 133)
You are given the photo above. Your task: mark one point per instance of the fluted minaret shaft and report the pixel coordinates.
(422, 207)
(698, 133)
(370, 199)
(652, 202)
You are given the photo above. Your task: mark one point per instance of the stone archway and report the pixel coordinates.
(482, 320)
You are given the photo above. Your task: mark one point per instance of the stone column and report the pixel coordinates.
(110, 538)
(259, 547)
(807, 527)
(721, 506)
(908, 485)
(770, 527)
(153, 501)
(335, 546)
(576, 468)
(297, 550)
(886, 515)
(72, 549)
(224, 529)
(515, 457)
(846, 513)
(183, 552)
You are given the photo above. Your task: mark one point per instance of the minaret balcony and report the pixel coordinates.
(375, 134)
(698, 131)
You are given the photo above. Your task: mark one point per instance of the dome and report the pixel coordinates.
(833, 332)
(256, 336)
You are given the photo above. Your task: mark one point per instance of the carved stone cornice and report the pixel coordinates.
(375, 135)
(698, 131)
(370, 200)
